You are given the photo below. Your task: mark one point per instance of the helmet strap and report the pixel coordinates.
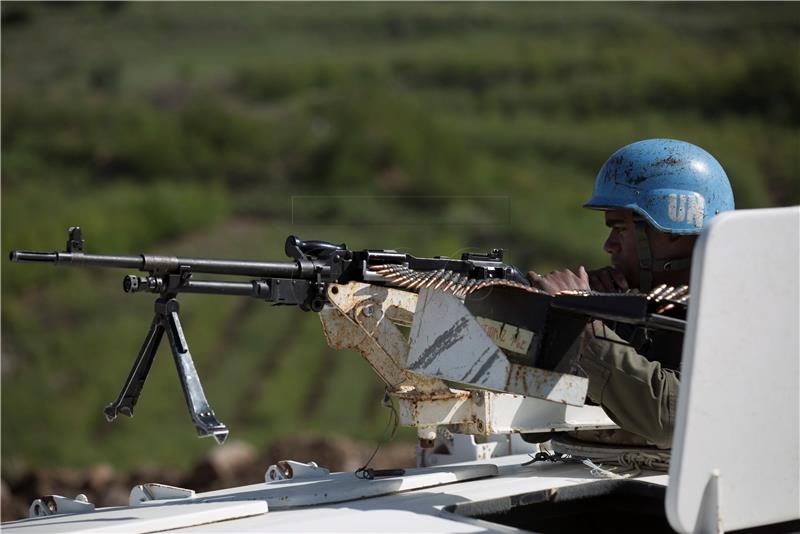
(678, 264)
(648, 265)
(645, 257)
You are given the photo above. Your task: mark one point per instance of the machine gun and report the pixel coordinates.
(484, 352)
(303, 281)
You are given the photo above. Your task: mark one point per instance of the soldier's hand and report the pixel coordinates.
(558, 281)
(607, 280)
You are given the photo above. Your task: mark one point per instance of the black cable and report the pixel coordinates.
(365, 472)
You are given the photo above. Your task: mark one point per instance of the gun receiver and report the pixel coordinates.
(302, 281)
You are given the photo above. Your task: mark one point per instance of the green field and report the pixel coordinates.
(217, 129)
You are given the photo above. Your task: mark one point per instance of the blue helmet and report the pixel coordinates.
(676, 186)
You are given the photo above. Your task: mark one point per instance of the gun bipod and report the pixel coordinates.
(166, 318)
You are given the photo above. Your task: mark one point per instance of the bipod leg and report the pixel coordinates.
(127, 398)
(202, 415)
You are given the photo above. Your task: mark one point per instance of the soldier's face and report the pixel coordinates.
(624, 250)
(621, 244)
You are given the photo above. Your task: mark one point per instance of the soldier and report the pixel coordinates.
(657, 195)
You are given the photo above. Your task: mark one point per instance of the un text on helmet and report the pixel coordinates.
(688, 208)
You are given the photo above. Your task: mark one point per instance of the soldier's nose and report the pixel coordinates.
(610, 246)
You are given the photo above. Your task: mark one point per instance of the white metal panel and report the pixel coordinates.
(513, 413)
(406, 510)
(139, 519)
(342, 487)
(739, 404)
(447, 342)
(418, 510)
(484, 412)
(352, 520)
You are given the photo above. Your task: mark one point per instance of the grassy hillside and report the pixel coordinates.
(216, 130)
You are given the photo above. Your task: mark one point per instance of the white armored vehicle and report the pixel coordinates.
(473, 375)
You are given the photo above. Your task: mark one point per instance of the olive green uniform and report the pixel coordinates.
(636, 382)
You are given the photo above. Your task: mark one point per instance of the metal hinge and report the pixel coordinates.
(56, 504)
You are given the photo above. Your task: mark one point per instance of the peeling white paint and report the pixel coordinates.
(507, 336)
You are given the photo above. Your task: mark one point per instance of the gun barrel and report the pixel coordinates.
(152, 263)
(77, 258)
(25, 256)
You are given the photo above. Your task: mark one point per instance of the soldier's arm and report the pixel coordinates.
(636, 393)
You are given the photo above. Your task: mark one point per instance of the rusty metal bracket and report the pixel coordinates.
(369, 319)
(365, 317)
